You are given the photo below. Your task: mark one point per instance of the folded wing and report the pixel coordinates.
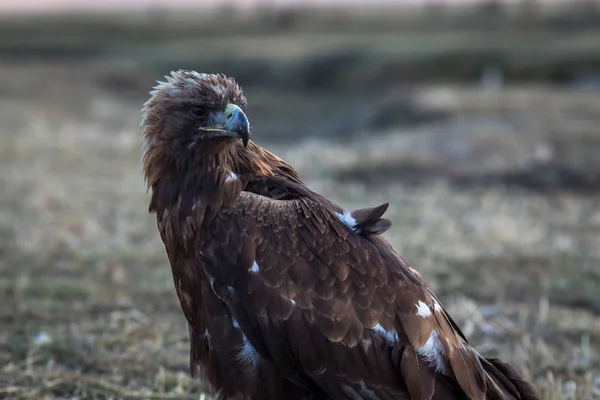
(334, 309)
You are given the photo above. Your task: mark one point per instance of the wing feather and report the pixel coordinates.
(333, 305)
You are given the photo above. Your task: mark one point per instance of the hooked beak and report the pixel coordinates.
(232, 122)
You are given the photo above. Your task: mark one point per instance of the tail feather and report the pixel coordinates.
(509, 383)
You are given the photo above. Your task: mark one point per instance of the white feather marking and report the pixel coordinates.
(433, 351)
(414, 271)
(232, 176)
(347, 219)
(367, 342)
(211, 280)
(213, 285)
(206, 335)
(358, 390)
(293, 302)
(436, 306)
(423, 309)
(255, 267)
(390, 336)
(248, 356)
(366, 392)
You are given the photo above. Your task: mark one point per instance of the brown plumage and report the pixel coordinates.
(286, 294)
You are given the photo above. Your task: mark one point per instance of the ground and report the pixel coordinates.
(493, 198)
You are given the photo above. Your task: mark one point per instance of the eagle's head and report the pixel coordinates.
(192, 114)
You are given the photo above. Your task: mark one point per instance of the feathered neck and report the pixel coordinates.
(202, 173)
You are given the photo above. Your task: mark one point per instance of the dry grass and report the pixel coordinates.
(87, 306)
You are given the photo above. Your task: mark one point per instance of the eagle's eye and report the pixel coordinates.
(197, 112)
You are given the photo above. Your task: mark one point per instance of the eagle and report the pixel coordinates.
(286, 294)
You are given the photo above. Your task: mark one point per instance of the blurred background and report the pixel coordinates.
(479, 121)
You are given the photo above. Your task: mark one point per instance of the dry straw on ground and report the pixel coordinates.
(494, 198)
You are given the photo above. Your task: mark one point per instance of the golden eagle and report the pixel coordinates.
(286, 294)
